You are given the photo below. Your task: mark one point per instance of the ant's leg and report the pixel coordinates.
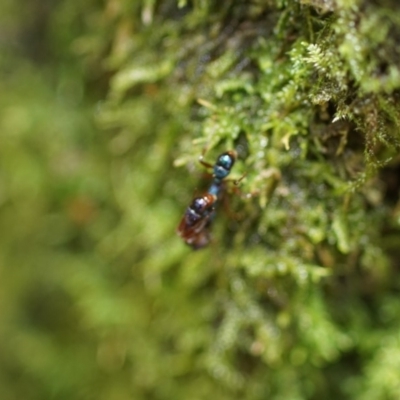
(237, 181)
(205, 163)
(227, 207)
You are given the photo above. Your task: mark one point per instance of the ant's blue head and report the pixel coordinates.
(224, 164)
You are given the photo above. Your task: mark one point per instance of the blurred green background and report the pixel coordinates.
(296, 298)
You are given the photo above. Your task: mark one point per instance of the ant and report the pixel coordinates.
(195, 223)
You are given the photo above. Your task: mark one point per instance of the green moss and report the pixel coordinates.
(295, 296)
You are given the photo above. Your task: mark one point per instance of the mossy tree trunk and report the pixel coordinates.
(296, 296)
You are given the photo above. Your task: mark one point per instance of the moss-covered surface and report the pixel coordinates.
(105, 111)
